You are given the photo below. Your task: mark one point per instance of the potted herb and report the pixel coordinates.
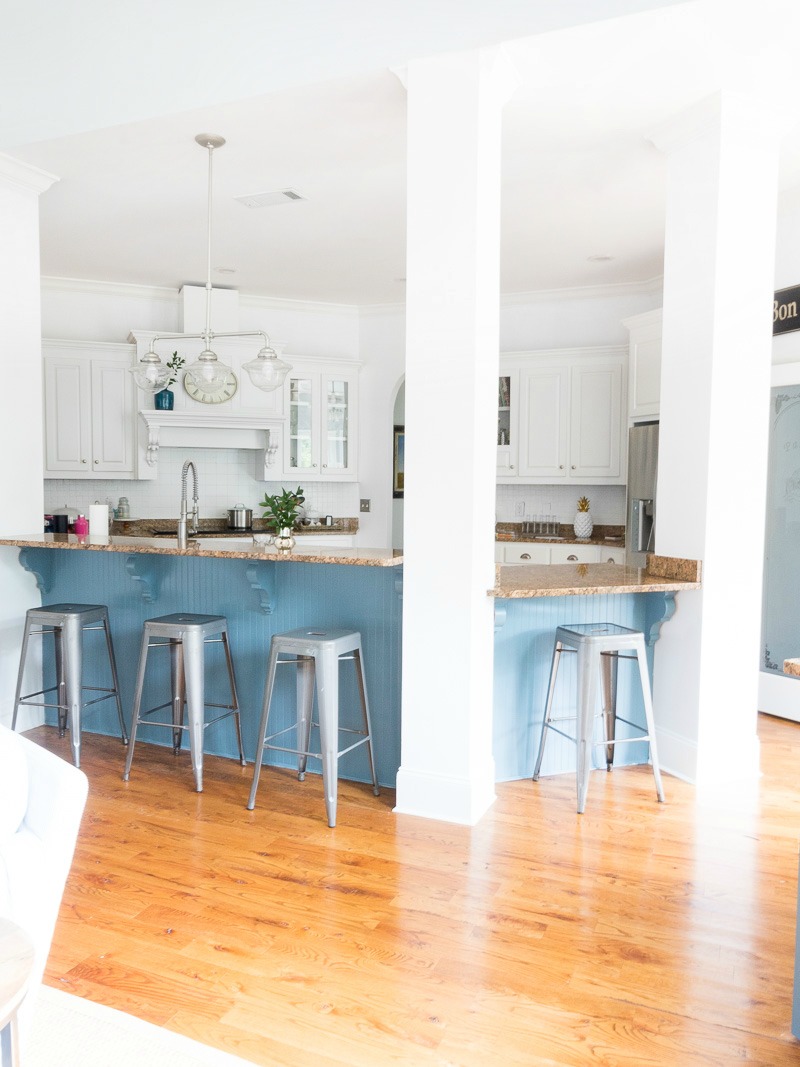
(281, 513)
(165, 399)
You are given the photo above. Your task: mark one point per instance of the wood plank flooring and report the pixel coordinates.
(638, 933)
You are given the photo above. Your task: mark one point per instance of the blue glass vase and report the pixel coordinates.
(164, 400)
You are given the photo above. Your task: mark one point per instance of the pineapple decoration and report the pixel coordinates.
(583, 518)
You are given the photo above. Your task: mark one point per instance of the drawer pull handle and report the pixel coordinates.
(525, 555)
(570, 558)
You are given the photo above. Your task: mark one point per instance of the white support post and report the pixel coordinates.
(21, 431)
(718, 283)
(452, 341)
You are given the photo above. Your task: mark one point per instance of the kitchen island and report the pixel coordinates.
(262, 591)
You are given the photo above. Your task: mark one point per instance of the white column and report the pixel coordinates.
(21, 445)
(452, 341)
(722, 175)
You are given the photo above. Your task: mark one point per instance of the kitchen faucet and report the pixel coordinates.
(183, 521)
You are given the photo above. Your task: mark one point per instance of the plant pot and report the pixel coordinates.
(284, 542)
(583, 524)
(164, 400)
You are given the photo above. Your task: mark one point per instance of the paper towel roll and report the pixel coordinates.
(98, 520)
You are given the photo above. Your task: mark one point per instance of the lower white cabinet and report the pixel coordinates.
(89, 410)
(534, 552)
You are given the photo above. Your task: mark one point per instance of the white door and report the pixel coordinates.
(68, 431)
(543, 423)
(112, 416)
(596, 420)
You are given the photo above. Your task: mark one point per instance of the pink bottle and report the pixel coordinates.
(81, 526)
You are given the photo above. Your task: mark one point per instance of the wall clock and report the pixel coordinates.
(227, 391)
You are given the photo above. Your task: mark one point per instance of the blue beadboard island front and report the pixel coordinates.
(262, 593)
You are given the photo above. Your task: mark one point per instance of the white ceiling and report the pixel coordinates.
(580, 179)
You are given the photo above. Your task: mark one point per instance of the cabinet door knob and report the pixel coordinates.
(511, 467)
(525, 555)
(572, 558)
(324, 466)
(83, 461)
(573, 466)
(561, 466)
(96, 462)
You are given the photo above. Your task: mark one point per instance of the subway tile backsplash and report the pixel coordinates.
(607, 502)
(226, 477)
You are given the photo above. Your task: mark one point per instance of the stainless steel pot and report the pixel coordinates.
(240, 517)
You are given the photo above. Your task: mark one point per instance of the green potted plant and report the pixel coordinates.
(280, 513)
(165, 399)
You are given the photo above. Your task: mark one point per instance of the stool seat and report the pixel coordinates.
(598, 647)
(317, 654)
(68, 623)
(185, 635)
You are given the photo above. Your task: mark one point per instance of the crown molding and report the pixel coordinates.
(280, 303)
(23, 176)
(649, 287)
(94, 288)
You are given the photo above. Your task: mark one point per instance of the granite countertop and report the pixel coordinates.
(220, 548)
(663, 574)
(608, 536)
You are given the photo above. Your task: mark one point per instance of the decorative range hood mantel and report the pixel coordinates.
(192, 429)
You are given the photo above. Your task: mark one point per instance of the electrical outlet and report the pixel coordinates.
(364, 505)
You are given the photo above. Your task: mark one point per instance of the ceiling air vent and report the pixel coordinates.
(281, 196)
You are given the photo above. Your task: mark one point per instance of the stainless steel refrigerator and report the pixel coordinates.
(640, 529)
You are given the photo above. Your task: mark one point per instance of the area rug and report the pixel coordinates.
(70, 1032)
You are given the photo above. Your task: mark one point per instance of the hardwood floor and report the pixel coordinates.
(637, 933)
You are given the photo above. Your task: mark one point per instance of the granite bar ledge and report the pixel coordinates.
(663, 574)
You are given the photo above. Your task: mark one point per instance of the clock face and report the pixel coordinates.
(227, 391)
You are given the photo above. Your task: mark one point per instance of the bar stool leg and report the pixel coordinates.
(73, 652)
(114, 678)
(327, 669)
(22, 661)
(609, 662)
(587, 699)
(644, 675)
(137, 701)
(232, 679)
(548, 707)
(193, 648)
(262, 729)
(362, 689)
(177, 681)
(305, 706)
(60, 657)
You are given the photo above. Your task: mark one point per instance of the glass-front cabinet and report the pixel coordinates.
(320, 425)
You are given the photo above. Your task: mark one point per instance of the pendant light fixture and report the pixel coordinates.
(208, 374)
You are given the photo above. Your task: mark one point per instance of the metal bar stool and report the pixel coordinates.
(68, 623)
(598, 647)
(186, 636)
(317, 655)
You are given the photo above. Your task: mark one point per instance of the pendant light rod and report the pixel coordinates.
(209, 141)
(267, 371)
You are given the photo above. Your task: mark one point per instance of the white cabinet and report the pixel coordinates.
(530, 552)
(89, 410)
(320, 434)
(566, 417)
(526, 552)
(644, 364)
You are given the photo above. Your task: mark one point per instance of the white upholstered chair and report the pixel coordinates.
(41, 803)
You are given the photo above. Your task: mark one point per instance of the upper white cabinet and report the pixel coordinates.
(566, 417)
(320, 431)
(89, 410)
(644, 364)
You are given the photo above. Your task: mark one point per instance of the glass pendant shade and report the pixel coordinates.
(150, 373)
(208, 374)
(267, 371)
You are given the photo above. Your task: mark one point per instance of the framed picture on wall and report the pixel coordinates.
(399, 465)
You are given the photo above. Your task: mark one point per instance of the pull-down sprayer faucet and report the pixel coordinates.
(183, 521)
